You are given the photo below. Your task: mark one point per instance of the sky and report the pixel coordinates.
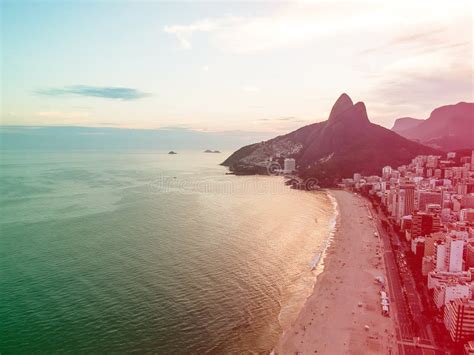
(230, 66)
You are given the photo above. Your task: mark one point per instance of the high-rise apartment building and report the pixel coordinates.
(409, 203)
(427, 197)
(449, 254)
(459, 319)
(289, 165)
(424, 223)
(472, 160)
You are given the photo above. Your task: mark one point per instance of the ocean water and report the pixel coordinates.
(150, 252)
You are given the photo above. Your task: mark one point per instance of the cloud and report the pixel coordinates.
(251, 89)
(61, 114)
(433, 88)
(247, 34)
(429, 40)
(250, 33)
(304, 23)
(289, 25)
(108, 124)
(184, 32)
(289, 118)
(416, 93)
(117, 93)
(280, 125)
(176, 127)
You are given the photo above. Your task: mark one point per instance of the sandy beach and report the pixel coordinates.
(343, 314)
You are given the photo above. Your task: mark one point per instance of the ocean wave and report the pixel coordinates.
(289, 311)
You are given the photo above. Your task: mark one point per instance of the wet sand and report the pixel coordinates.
(343, 314)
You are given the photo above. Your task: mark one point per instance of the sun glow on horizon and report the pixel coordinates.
(235, 66)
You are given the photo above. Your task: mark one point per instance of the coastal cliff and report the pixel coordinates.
(328, 151)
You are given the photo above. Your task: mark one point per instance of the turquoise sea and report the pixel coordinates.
(141, 251)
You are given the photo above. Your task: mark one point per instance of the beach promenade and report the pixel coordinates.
(343, 314)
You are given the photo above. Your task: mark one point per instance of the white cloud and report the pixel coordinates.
(295, 23)
(61, 114)
(184, 32)
(302, 22)
(251, 89)
(249, 34)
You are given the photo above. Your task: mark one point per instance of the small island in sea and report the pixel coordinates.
(211, 151)
(172, 152)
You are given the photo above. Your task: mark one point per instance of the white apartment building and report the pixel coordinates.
(449, 255)
(289, 165)
(437, 278)
(449, 292)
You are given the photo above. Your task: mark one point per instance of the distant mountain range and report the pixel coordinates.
(449, 127)
(328, 151)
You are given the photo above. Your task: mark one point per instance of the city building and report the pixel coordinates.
(424, 198)
(386, 172)
(459, 319)
(357, 177)
(466, 215)
(431, 201)
(424, 223)
(437, 278)
(432, 161)
(289, 165)
(449, 255)
(469, 348)
(446, 293)
(470, 254)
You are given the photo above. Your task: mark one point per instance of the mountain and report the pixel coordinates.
(405, 123)
(328, 151)
(449, 127)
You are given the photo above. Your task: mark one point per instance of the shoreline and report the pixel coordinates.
(318, 266)
(319, 269)
(345, 297)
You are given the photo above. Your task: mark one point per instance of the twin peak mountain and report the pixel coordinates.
(337, 148)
